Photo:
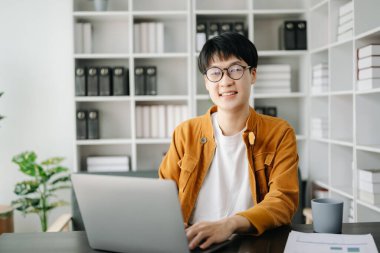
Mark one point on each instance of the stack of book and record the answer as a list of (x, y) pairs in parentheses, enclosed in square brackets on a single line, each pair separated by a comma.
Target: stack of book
[(368, 67), (320, 80), (83, 38), (319, 127), (149, 37), (273, 78), (346, 21), (159, 121), (107, 163), (369, 185), (209, 29)]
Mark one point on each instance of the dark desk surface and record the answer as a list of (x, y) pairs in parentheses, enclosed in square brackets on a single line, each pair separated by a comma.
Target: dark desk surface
[(76, 242)]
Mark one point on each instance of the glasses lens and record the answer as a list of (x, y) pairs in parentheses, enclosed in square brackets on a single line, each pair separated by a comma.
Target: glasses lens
[(235, 72), (214, 74)]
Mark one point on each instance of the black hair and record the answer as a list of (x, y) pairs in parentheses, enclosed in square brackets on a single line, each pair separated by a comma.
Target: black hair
[(226, 45)]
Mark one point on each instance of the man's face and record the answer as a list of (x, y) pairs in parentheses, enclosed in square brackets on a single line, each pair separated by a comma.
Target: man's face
[(229, 94)]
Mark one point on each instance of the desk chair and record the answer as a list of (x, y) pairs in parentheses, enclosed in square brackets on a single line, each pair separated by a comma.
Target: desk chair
[(75, 218)]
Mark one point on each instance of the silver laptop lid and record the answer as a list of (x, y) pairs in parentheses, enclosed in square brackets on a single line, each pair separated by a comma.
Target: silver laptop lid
[(128, 214)]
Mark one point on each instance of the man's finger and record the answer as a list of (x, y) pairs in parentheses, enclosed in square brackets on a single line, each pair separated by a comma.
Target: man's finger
[(197, 240), (207, 243)]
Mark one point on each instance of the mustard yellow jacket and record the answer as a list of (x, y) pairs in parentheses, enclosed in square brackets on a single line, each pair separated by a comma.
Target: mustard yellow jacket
[(273, 166)]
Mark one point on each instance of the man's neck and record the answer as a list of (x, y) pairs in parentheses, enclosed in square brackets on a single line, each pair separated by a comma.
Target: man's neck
[(232, 122)]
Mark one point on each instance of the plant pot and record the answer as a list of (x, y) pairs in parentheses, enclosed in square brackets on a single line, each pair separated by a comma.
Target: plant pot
[(100, 5), (6, 219)]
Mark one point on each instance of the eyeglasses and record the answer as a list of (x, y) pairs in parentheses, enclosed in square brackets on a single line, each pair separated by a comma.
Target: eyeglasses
[(235, 72)]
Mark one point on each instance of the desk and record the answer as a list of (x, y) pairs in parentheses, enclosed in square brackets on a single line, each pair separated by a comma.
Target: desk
[(76, 242)]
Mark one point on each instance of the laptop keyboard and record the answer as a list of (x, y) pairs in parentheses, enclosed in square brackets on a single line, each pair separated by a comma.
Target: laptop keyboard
[(212, 248)]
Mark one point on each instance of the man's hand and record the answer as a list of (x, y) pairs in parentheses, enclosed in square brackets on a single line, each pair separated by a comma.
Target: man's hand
[(204, 234)]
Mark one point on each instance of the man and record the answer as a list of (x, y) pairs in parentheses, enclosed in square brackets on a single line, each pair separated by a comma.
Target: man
[(236, 170)]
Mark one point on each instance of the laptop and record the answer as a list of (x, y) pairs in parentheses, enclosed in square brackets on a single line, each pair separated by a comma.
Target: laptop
[(132, 215)]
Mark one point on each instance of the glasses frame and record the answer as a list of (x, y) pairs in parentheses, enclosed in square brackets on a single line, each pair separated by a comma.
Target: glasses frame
[(226, 70)]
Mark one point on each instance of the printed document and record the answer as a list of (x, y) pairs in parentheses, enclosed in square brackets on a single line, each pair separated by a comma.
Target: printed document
[(325, 243)]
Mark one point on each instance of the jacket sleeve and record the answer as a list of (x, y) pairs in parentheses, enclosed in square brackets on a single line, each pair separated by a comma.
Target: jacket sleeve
[(281, 202)]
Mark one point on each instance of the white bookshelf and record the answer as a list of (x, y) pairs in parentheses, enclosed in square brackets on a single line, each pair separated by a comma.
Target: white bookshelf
[(331, 160), (352, 141)]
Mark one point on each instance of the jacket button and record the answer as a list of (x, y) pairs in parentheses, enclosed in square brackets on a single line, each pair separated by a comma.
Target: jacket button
[(203, 140)]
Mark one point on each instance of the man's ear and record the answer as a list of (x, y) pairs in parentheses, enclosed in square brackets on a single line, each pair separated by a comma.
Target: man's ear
[(253, 75)]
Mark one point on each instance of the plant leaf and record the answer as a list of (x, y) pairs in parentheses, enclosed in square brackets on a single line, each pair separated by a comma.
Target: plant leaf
[(53, 161), (27, 164), (26, 187), (56, 204), (56, 170), (61, 187), (61, 179), (26, 205)]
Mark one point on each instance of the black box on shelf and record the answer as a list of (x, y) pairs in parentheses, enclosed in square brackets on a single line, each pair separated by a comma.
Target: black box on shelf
[(140, 81), (105, 81), (213, 30), (151, 80), (226, 27), (80, 81), (271, 111), (288, 35), (120, 81), (293, 35), (260, 110), (81, 122), (301, 35), (201, 35), (239, 28), (92, 82), (93, 124)]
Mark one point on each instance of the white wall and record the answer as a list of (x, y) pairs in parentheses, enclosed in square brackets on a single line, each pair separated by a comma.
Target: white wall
[(36, 75)]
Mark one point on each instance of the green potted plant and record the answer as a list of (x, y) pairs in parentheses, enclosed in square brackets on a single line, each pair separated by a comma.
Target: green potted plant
[(35, 194)]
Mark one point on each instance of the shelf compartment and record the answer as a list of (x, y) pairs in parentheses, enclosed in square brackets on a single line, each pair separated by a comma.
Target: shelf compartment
[(368, 11), (341, 58), (341, 168), (319, 25), (266, 30), (162, 5), (114, 118), (109, 36), (114, 5), (161, 98), (299, 77), (342, 118), (172, 74), (155, 152), (367, 120), (211, 5), (101, 150), (290, 110), (318, 162)]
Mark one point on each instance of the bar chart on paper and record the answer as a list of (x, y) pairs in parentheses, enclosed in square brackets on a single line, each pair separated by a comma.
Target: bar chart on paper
[(325, 243)]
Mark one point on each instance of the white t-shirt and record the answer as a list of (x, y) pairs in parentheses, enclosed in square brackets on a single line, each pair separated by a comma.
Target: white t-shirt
[(225, 190)]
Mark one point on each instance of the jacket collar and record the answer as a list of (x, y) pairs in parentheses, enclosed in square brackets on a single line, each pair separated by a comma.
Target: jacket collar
[(207, 128)]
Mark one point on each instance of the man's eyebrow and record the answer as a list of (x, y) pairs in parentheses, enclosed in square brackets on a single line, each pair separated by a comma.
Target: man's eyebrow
[(232, 63)]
